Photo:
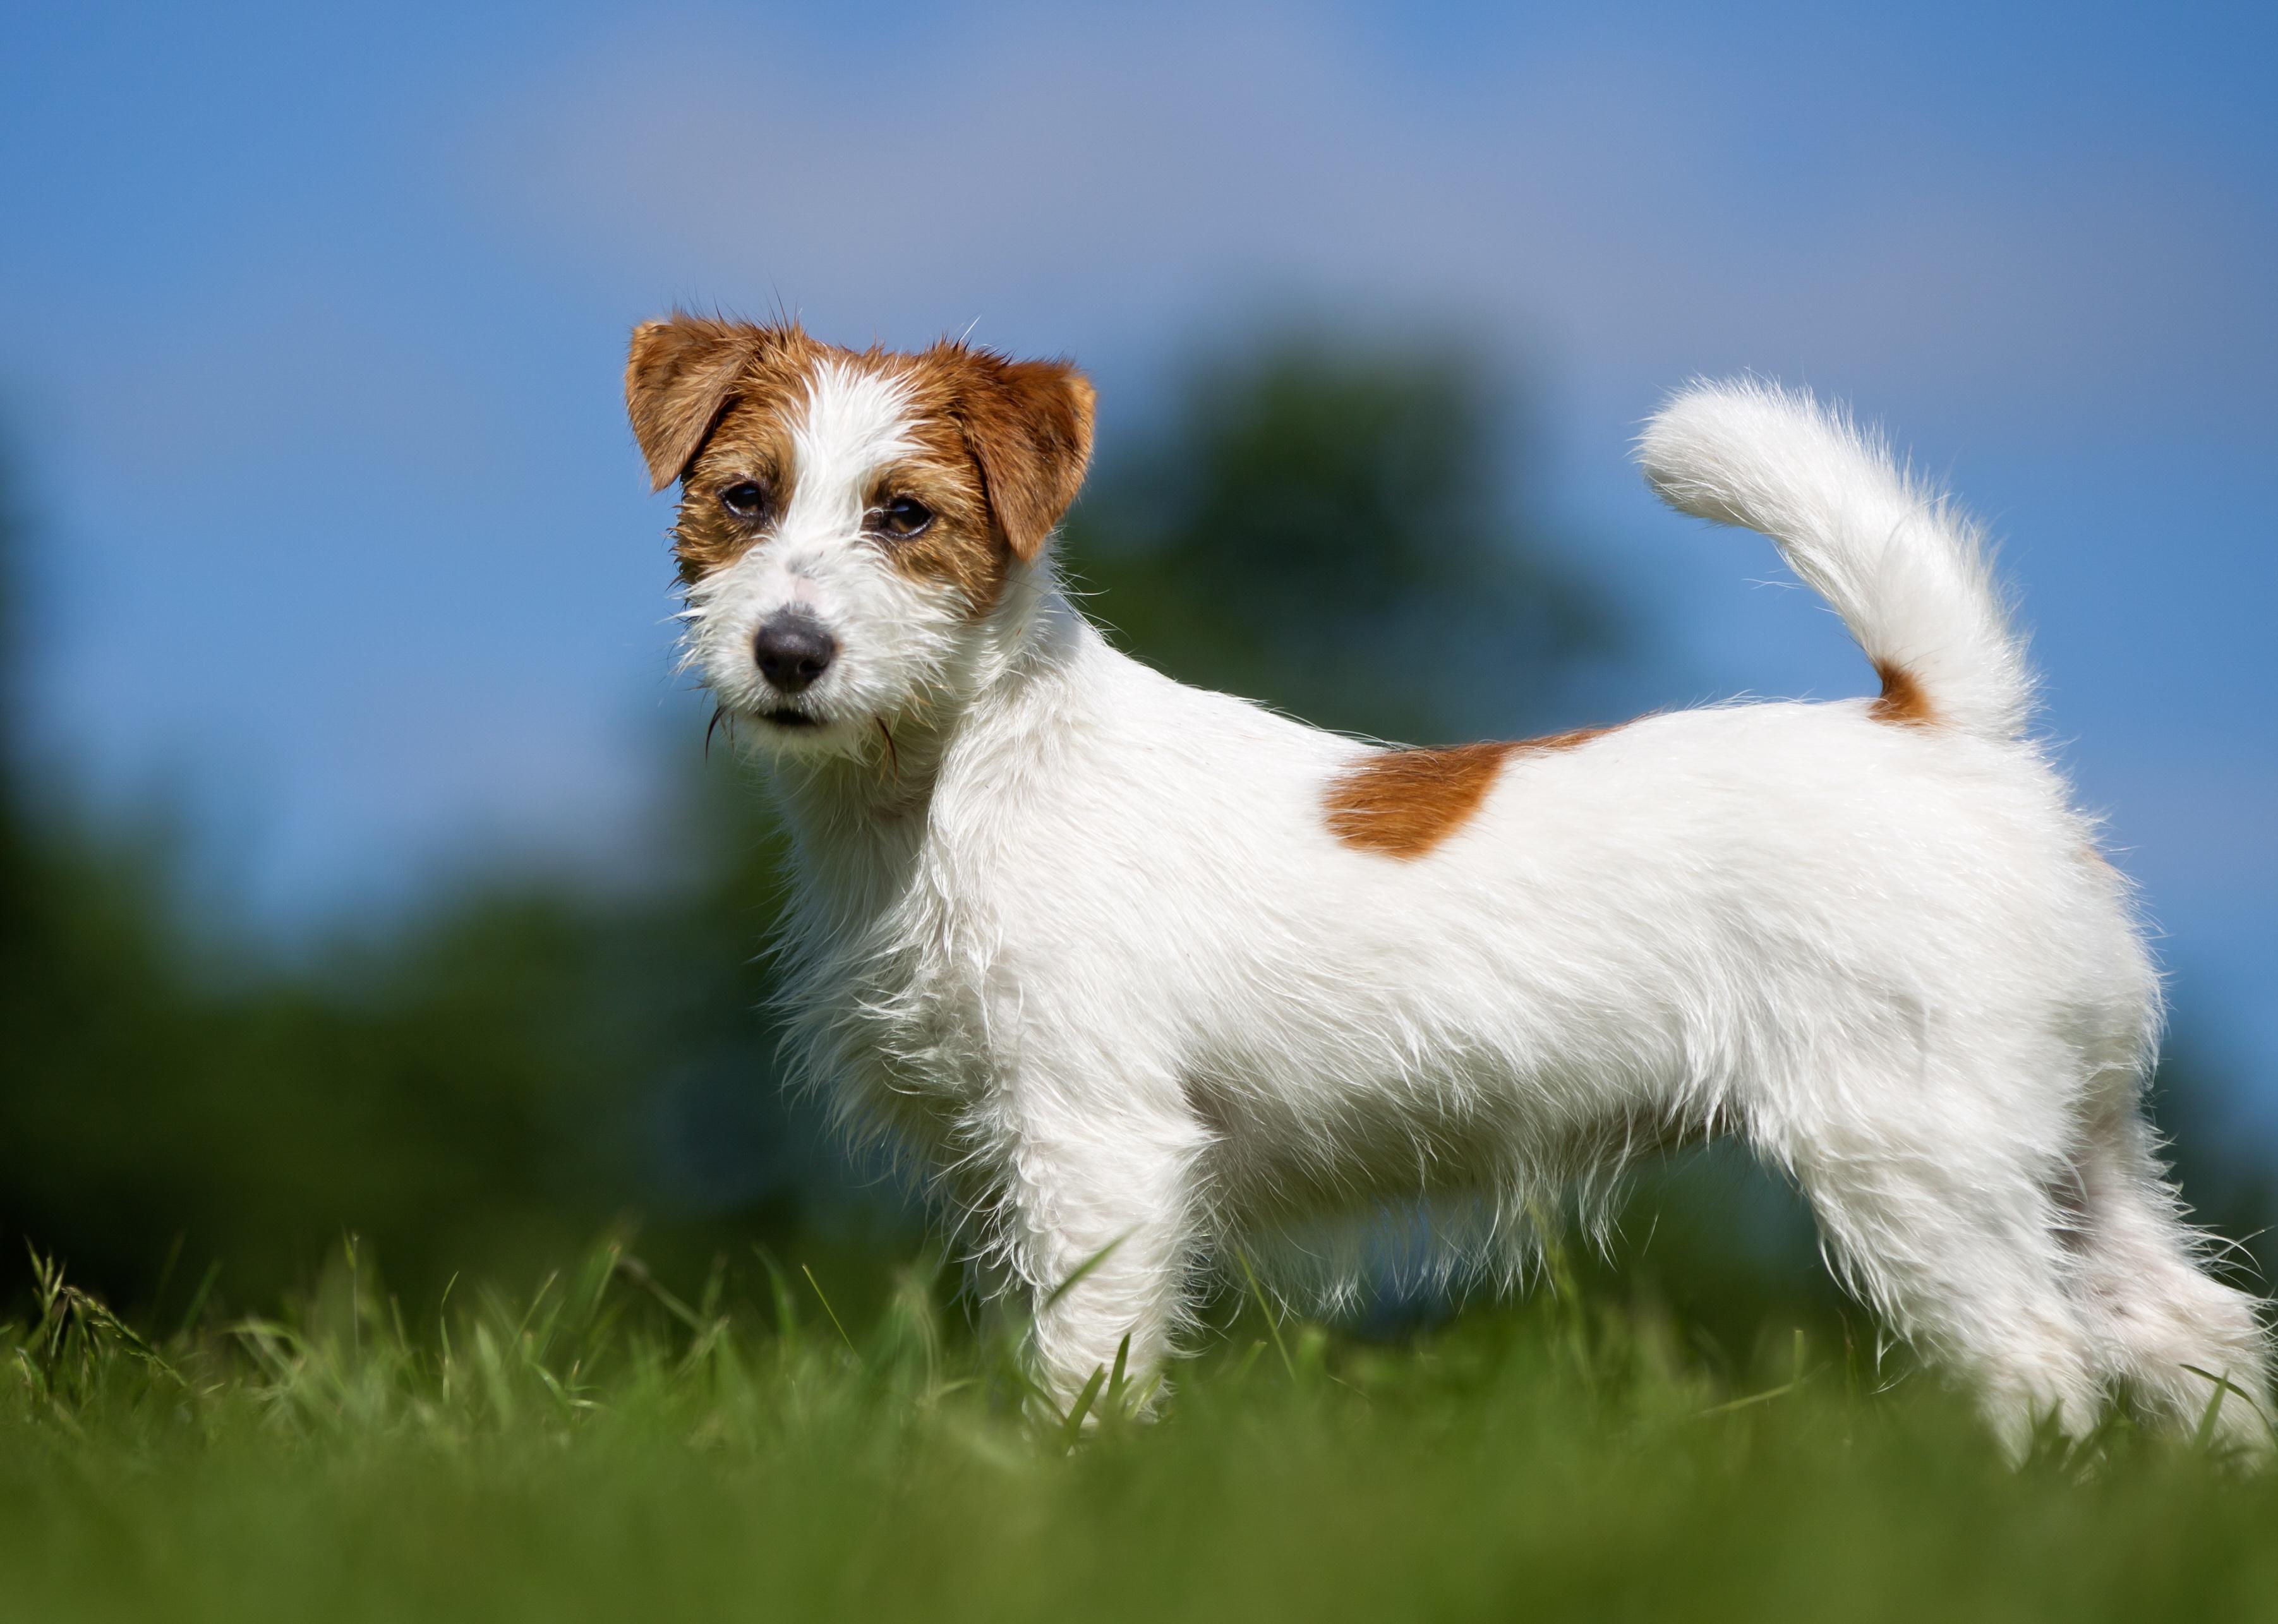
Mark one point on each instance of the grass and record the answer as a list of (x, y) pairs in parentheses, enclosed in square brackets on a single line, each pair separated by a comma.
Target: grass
[(607, 1449)]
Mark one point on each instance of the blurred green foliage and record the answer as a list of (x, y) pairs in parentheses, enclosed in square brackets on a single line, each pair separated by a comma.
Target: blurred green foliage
[(478, 1091), (1343, 531)]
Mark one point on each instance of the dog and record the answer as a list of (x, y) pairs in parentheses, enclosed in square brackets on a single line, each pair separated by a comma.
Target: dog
[(1140, 974)]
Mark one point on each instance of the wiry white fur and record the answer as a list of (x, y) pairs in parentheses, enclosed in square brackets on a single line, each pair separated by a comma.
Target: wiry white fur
[(1906, 572), (1085, 946)]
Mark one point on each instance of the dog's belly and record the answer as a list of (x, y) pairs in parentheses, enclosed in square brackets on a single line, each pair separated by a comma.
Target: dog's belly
[(1314, 1127)]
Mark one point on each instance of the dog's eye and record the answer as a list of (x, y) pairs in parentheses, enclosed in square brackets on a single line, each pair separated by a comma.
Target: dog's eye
[(747, 500), (903, 517)]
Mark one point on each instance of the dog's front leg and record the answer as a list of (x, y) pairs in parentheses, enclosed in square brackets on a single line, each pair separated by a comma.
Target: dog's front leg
[(1104, 1224)]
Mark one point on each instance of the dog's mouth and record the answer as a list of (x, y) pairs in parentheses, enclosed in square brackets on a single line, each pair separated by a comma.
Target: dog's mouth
[(785, 717)]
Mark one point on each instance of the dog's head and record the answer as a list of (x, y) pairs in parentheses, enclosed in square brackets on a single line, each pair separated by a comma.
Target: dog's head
[(847, 519)]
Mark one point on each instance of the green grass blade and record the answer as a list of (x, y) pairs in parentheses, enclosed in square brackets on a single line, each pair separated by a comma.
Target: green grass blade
[(827, 1309), (1081, 1270), (1272, 1320), (1072, 1429)]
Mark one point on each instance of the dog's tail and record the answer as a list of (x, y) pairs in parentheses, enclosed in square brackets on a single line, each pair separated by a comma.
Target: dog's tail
[(1905, 569)]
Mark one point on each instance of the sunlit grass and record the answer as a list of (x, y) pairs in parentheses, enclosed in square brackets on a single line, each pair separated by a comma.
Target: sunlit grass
[(760, 1448)]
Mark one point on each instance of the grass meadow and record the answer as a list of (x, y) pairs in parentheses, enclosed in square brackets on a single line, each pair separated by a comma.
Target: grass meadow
[(774, 1448)]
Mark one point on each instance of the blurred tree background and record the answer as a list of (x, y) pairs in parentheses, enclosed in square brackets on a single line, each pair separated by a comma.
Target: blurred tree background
[(1343, 531), (1340, 529)]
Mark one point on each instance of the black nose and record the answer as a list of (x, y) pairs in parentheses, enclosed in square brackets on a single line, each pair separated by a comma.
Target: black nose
[(793, 649)]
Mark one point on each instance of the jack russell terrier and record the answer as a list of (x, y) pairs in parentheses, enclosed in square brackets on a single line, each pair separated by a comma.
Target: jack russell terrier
[(1138, 975)]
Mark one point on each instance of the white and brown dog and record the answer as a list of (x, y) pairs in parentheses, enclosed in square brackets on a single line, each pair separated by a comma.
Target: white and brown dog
[(1141, 973)]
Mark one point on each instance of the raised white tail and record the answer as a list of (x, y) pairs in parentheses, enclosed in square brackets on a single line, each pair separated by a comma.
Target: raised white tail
[(1906, 569)]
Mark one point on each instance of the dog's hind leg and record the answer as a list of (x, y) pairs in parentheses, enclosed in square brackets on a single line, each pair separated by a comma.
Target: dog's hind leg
[(1954, 1239), (2156, 1317)]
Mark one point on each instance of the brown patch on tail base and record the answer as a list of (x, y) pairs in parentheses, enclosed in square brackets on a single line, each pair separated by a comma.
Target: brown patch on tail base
[(1403, 803), (1903, 702)]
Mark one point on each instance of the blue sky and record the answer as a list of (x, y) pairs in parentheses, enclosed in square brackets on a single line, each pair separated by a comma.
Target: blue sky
[(313, 319)]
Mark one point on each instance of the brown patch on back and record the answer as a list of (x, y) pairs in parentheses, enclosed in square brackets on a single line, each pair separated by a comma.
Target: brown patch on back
[(1002, 444), (1403, 803), (1903, 703)]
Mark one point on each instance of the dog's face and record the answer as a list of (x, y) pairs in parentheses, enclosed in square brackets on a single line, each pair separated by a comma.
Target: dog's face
[(846, 519)]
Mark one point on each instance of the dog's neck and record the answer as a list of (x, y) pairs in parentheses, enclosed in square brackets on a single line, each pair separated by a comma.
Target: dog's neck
[(859, 823)]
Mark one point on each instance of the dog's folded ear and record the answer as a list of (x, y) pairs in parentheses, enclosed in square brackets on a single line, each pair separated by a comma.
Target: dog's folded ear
[(678, 380), (1028, 424)]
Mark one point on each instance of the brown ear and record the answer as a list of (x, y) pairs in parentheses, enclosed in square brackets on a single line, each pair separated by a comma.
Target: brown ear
[(1029, 425), (677, 380)]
